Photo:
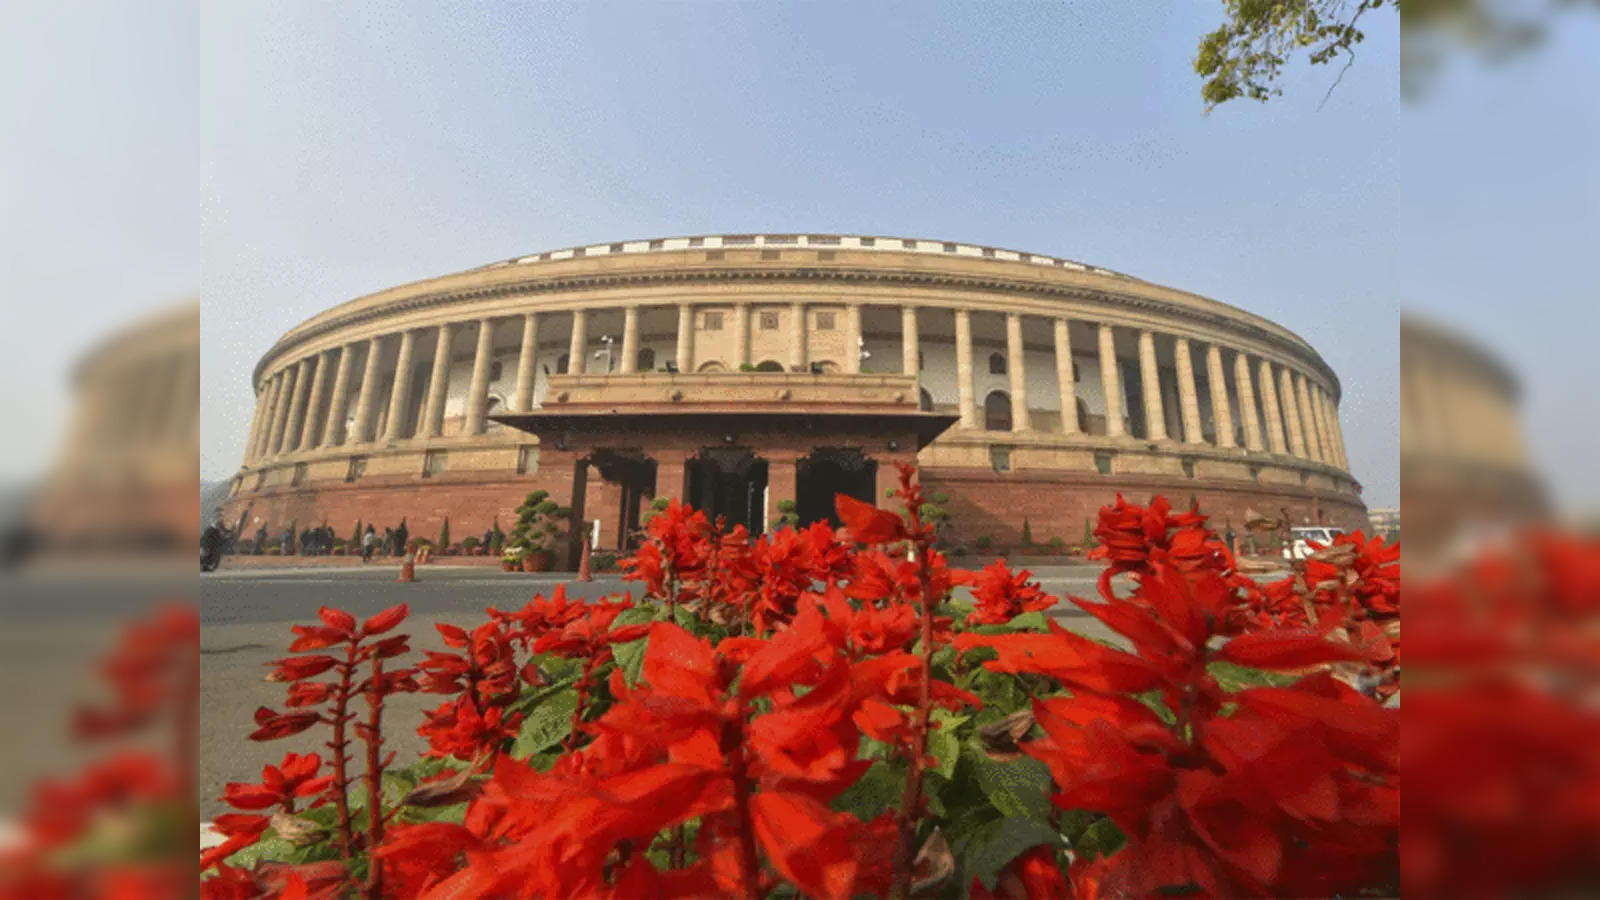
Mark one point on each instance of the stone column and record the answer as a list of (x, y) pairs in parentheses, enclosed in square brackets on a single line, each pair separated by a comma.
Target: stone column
[(1155, 419), (1336, 430), (969, 407), (1111, 381), (578, 349), (670, 465), (1319, 406), (630, 341), (1188, 396), (253, 439), (852, 339), (478, 387), (369, 393), (1308, 421), (1269, 404), (297, 406), (741, 336), (797, 337), (1247, 402), (782, 481), (910, 346), (1065, 384), (438, 384), (1291, 415), (1015, 368), (1221, 414), (685, 352), (400, 393), (319, 389), (526, 373), (280, 411), (339, 406)]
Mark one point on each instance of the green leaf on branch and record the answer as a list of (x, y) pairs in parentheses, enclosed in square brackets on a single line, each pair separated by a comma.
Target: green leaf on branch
[(993, 847), (877, 790), (943, 744), (1017, 789), (547, 724)]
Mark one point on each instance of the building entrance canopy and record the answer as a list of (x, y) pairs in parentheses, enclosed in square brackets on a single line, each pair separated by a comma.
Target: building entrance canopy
[(736, 445)]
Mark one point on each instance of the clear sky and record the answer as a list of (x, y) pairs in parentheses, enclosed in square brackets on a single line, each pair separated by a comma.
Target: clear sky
[(346, 148)]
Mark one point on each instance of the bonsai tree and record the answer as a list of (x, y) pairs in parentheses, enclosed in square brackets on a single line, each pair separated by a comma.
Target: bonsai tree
[(540, 522), (787, 517), (1088, 535), (469, 544), (444, 535), (1027, 534), (497, 538), (659, 505)]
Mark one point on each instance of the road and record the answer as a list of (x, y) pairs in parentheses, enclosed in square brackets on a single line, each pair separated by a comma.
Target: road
[(246, 615)]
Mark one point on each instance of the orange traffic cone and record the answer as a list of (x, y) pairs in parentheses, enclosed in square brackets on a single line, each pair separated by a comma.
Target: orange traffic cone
[(408, 569), (583, 564)]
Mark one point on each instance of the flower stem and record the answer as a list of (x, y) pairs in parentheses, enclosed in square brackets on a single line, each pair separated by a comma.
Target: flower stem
[(374, 740), (911, 800), (340, 747)]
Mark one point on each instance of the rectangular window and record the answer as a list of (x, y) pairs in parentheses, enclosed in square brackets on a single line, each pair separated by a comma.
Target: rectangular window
[(657, 244), (713, 255), (782, 239), (1000, 458), (769, 254), (579, 251), (1188, 467), (616, 248), (826, 240), (824, 321), (826, 255), (435, 462), (869, 242), (988, 252), (769, 321), (697, 242), (908, 244), (525, 458), (949, 248), (711, 321), (731, 240), (299, 476), (358, 468), (1102, 463)]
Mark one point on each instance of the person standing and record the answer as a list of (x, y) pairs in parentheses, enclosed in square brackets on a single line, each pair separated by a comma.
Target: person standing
[(400, 536), (369, 542)]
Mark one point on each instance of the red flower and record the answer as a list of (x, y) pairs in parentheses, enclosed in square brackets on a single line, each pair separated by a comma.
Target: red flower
[(867, 523), (295, 776), (385, 620), (1001, 596)]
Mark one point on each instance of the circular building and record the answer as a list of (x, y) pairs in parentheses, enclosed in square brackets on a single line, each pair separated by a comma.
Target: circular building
[(740, 371)]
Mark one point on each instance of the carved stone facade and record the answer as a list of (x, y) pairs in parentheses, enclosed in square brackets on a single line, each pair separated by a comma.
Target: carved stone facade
[(1050, 385)]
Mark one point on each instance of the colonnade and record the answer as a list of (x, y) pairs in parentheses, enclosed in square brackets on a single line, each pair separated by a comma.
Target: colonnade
[(302, 407)]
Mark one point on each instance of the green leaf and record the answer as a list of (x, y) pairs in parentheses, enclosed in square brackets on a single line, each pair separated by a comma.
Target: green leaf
[(684, 618), (1030, 621), (547, 724), (630, 658), (1019, 788), (877, 790), (943, 744), (1100, 838), (993, 847)]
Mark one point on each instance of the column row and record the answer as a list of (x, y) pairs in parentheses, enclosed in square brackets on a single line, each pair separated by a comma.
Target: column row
[(1270, 408)]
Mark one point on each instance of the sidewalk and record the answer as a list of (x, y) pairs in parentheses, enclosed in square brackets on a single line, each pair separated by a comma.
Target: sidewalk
[(238, 562)]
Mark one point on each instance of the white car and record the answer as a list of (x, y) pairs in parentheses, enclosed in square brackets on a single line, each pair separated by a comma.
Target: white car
[(1298, 549)]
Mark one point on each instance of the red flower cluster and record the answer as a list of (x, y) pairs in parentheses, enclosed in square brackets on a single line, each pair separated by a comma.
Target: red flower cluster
[(1001, 595), (1267, 791), (295, 777), (485, 677)]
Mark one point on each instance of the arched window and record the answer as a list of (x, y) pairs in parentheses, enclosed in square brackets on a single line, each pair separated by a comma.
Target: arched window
[(768, 365), (997, 364), (924, 400), (646, 361), (561, 365), (712, 366), (997, 411)]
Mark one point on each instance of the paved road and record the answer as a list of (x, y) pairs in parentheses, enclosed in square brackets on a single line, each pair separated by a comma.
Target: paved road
[(245, 617)]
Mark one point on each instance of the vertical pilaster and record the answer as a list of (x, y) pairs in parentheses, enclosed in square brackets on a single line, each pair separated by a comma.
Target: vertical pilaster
[(319, 389), (1111, 381), (1155, 419), (686, 338), (297, 405), (527, 356), (1269, 404), (969, 407), (400, 393), (797, 337), (1065, 383), (253, 440), (1188, 395), (338, 407), (1308, 421), (910, 346), (280, 411), (1245, 389), (630, 341), (1015, 368), (578, 348), (741, 337), (852, 339), (478, 387), (1221, 413), (1291, 415), (367, 400)]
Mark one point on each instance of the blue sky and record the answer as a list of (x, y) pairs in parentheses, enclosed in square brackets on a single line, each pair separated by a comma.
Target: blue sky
[(349, 148)]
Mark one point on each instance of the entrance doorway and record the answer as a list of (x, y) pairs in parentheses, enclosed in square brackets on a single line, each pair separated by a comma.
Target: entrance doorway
[(730, 482), (829, 471)]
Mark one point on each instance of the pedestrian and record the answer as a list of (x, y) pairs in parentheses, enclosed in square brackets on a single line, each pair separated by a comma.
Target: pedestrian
[(1229, 535), (369, 542), (400, 536)]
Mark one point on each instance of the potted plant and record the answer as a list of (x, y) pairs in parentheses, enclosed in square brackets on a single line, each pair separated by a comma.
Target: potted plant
[(540, 522), (511, 559)]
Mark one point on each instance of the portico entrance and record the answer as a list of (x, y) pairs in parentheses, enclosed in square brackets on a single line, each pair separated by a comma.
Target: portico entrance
[(829, 471), (730, 482)]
